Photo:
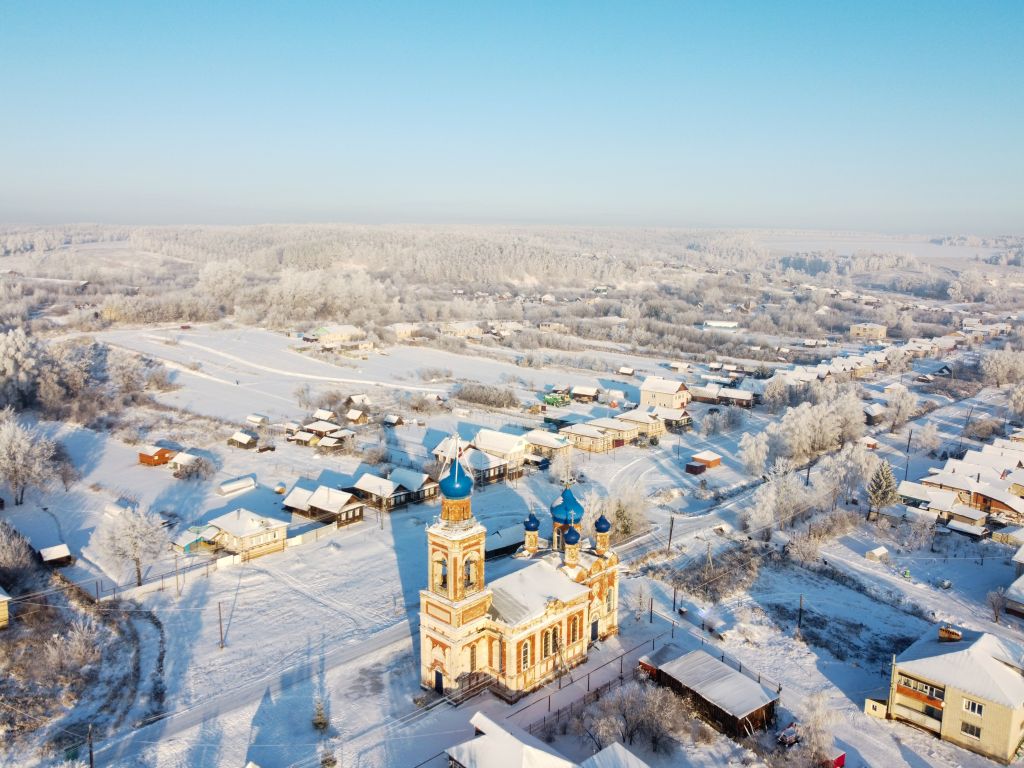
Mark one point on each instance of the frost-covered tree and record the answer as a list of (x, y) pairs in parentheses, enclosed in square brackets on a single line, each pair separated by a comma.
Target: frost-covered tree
[(1017, 400), (25, 456), (20, 360), (849, 415), (754, 452), (926, 437), (776, 394), (881, 489), (134, 537), (1004, 366), (819, 721), (901, 405)]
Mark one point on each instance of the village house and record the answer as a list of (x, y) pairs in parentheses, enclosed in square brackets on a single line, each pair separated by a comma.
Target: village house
[(323, 414), (674, 419), (463, 329), (732, 702), (647, 422), (546, 444), (258, 420), (356, 416), (337, 440), (337, 334), (870, 331), (874, 413), (403, 486), (321, 428), (708, 393), (181, 461), (551, 326), (57, 556), (709, 459), (965, 686), (511, 448), (405, 331), (620, 431), (246, 533), (324, 504), (587, 438), (658, 392), (625, 370), (243, 439), (155, 456)]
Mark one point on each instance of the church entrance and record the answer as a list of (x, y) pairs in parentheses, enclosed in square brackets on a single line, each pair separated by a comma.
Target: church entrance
[(593, 631), (438, 681)]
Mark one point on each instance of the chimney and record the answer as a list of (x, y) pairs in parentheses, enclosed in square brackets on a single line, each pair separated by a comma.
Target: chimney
[(948, 634)]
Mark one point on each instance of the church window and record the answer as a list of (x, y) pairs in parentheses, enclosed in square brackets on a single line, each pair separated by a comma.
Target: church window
[(468, 567), (547, 644), (554, 640), (525, 657), (472, 658), (574, 629), (443, 583), (501, 656), (608, 599)]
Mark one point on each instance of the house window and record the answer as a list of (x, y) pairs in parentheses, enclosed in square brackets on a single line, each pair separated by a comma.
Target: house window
[(970, 730), (974, 707), (525, 660), (916, 685)]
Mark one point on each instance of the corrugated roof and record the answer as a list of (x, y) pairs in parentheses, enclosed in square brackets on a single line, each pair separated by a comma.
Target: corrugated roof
[(717, 682)]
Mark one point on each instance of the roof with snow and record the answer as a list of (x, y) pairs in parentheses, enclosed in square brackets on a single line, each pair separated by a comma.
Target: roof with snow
[(525, 594), (584, 391), (717, 682), (298, 499), (243, 522), (354, 414), (376, 485), (504, 746), (329, 499), (545, 439), (321, 426), (583, 430), (322, 414), (661, 385), (639, 416), (614, 756), (244, 438), (490, 441), (615, 425), (409, 479), (981, 664)]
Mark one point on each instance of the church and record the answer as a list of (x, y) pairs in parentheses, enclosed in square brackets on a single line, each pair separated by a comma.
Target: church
[(516, 633)]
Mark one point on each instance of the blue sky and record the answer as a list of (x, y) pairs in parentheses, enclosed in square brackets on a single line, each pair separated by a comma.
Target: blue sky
[(903, 117)]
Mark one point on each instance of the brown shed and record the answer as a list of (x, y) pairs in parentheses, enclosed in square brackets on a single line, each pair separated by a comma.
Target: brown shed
[(709, 459), (154, 456)]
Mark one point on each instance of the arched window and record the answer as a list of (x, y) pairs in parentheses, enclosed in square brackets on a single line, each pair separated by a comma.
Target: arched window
[(525, 657), (547, 645), (501, 656), (472, 658), (554, 640), (469, 580), (443, 581), (608, 600), (574, 629)]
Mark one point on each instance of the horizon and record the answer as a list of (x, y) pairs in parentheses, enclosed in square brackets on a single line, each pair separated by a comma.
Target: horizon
[(867, 120)]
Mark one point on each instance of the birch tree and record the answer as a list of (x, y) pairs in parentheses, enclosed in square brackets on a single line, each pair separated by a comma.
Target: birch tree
[(927, 437), (754, 452), (25, 457), (900, 407), (134, 537)]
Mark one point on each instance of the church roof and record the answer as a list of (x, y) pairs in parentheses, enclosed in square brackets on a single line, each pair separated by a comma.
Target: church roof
[(602, 525), (525, 594), (457, 484), (567, 509)]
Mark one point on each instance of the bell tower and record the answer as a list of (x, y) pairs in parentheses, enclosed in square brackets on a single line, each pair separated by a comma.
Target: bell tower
[(453, 607)]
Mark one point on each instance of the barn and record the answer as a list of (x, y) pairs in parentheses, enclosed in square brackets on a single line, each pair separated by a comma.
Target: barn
[(733, 703)]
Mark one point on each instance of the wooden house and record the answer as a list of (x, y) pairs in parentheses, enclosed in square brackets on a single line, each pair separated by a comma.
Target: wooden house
[(321, 428), (418, 485), (388, 493), (356, 416), (659, 392), (546, 444), (647, 422), (393, 420), (325, 504), (621, 432), (244, 532), (674, 419), (182, 460), (57, 556), (323, 414), (258, 420), (243, 439), (625, 370), (874, 413), (729, 700), (155, 456), (196, 539), (511, 448), (303, 437), (587, 438), (337, 440)]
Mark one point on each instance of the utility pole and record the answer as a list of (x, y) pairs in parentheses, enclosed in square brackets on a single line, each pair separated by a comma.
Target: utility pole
[(675, 592), (92, 761), (671, 527), (220, 618), (906, 473), (807, 480), (651, 619), (800, 615)]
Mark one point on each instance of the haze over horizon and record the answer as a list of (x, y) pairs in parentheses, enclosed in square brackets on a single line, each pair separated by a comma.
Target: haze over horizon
[(862, 118)]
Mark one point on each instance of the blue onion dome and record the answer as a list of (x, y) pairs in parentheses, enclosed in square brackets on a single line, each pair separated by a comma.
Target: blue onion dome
[(572, 537), (567, 510), (531, 523), (457, 484), (601, 525)]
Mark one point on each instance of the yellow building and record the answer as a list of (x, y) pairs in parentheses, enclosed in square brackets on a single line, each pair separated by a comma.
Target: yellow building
[(875, 331), (4, 611), (964, 686), (523, 629)]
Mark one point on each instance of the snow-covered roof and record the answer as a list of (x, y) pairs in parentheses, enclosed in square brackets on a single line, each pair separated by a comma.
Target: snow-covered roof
[(706, 456), (874, 409), (183, 458), (639, 416), (717, 682), (322, 414), (490, 441), (329, 442), (1018, 556), (329, 499), (967, 528), (1003, 496), (1015, 591), (409, 479), (546, 439), (341, 434), (584, 391), (508, 536), (583, 430), (354, 414), (360, 400), (735, 394), (661, 385), (614, 756), (243, 522), (243, 437), (612, 424), (321, 426), (962, 510), (56, 552), (671, 414), (504, 746), (196, 533), (258, 418), (980, 664), (525, 594), (149, 450), (298, 499), (3, 595), (625, 370), (474, 459), (375, 485)]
